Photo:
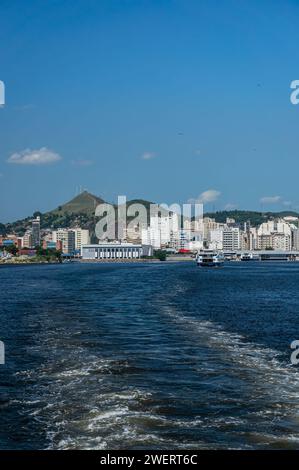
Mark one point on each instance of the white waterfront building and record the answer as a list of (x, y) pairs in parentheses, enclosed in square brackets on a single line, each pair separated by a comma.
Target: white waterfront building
[(231, 239), (216, 239), (161, 230), (151, 236), (115, 250)]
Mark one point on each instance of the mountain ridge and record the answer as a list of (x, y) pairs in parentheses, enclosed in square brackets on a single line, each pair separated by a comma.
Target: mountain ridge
[(83, 202), (255, 217), (80, 211)]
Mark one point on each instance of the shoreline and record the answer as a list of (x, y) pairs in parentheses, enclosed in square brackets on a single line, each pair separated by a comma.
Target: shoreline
[(34, 263), (106, 261)]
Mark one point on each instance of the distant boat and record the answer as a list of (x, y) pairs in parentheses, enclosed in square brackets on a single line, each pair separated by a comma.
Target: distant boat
[(246, 257), (209, 258), (249, 256)]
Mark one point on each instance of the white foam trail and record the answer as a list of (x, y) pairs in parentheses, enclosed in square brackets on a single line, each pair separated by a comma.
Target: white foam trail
[(259, 361)]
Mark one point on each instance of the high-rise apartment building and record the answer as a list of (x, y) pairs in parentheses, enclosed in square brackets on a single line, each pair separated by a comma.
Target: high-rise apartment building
[(71, 238), (67, 238), (81, 237), (27, 240), (162, 231), (35, 231), (231, 239)]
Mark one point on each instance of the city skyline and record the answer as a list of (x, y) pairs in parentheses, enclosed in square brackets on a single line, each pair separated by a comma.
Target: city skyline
[(145, 235)]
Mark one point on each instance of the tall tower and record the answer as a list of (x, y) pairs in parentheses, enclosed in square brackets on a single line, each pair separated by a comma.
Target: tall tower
[(36, 231)]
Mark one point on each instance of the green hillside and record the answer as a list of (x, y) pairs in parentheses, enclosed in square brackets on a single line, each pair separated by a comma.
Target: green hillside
[(255, 218), (78, 211), (81, 209), (84, 203)]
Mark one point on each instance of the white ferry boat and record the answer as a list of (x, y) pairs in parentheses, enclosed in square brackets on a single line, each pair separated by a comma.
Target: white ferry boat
[(249, 256), (246, 257), (209, 258)]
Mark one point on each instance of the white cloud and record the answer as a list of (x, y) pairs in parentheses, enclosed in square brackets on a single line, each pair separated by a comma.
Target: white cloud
[(147, 155), (42, 156), (210, 195), (270, 199), (82, 162)]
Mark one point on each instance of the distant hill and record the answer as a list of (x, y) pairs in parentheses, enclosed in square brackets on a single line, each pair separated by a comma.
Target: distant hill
[(84, 203), (78, 211), (81, 211), (146, 204), (255, 218)]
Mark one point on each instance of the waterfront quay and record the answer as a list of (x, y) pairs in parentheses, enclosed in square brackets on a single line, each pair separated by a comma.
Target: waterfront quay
[(262, 255)]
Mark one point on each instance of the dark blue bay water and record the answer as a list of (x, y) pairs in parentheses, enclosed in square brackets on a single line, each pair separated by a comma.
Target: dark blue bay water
[(149, 356)]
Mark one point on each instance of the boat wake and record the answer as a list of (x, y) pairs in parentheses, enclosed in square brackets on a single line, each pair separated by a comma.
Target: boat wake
[(267, 387)]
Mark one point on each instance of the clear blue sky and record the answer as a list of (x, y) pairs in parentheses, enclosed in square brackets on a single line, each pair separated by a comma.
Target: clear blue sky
[(161, 100)]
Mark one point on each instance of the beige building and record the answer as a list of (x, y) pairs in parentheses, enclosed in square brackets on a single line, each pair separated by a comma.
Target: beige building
[(67, 239), (71, 238), (274, 234), (27, 239), (81, 237)]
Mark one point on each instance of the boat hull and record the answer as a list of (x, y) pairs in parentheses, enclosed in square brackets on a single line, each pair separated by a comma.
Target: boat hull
[(210, 264)]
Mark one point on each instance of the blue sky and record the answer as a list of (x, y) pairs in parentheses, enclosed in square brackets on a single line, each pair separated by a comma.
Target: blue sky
[(162, 100)]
